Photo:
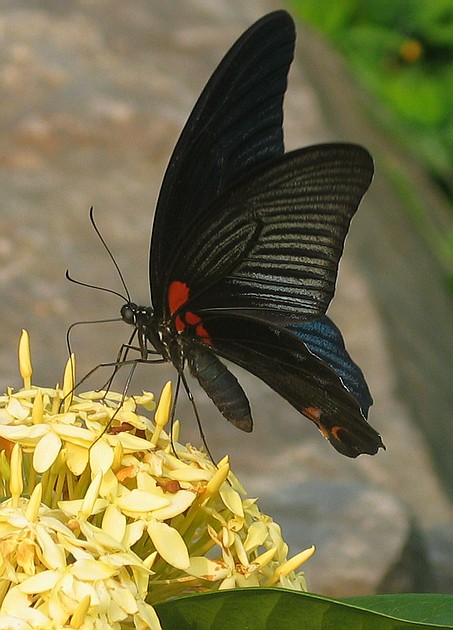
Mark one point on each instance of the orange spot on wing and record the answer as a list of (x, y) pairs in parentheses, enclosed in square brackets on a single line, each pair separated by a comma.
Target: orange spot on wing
[(335, 432), (314, 413), (332, 432)]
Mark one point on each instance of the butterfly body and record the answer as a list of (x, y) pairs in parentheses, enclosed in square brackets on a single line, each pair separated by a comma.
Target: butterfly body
[(245, 249)]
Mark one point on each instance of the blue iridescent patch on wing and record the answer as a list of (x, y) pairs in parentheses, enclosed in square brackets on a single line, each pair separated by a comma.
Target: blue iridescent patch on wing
[(324, 340)]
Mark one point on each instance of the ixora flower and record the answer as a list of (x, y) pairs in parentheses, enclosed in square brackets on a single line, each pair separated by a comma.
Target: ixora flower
[(103, 514)]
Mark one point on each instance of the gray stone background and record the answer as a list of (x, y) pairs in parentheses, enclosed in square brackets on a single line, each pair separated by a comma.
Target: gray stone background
[(93, 97)]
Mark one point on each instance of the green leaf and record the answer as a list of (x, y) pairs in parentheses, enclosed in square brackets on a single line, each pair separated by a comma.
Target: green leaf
[(277, 609), (428, 607)]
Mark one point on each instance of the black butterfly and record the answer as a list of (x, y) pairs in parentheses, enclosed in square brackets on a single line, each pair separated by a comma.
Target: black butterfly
[(245, 249)]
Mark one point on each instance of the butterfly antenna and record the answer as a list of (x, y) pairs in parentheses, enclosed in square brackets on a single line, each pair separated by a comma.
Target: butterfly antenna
[(93, 321), (69, 347), (95, 286), (107, 249)]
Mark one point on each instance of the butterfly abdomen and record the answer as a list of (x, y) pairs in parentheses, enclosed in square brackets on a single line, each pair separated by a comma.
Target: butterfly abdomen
[(221, 386)]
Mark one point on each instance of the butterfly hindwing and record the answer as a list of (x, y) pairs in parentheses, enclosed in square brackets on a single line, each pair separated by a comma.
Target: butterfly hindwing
[(280, 358), (324, 340)]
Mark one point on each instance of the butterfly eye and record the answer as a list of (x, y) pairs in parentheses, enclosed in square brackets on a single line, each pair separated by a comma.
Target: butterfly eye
[(129, 313)]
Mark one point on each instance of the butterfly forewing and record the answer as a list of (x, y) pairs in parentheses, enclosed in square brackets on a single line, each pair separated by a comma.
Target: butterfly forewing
[(235, 124), (270, 246)]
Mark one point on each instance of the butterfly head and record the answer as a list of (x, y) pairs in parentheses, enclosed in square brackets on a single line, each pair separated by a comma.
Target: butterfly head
[(129, 313), (143, 321), (141, 317)]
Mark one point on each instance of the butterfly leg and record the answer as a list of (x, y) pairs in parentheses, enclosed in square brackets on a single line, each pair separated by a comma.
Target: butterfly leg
[(183, 380)]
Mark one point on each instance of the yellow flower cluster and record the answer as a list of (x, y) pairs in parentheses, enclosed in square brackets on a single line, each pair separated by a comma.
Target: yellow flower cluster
[(102, 514)]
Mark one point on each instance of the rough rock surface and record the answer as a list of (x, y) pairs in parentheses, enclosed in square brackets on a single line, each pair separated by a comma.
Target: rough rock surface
[(366, 539)]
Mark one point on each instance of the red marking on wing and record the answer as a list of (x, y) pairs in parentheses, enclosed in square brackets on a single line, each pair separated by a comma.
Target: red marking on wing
[(191, 318), (179, 323), (203, 334), (178, 294), (195, 321)]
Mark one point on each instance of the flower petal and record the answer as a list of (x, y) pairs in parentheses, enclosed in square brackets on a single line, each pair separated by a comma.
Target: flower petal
[(206, 569), (17, 410), (231, 499), (40, 582), (91, 495), (190, 474), (141, 501), (92, 570), (9, 622), (134, 532), (114, 522), (170, 544), (46, 452), (179, 502), (27, 436), (101, 456), (76, 458), (71, 433), (53, 553), (74, 507), (148, 616), (130, 442), (256, 535)]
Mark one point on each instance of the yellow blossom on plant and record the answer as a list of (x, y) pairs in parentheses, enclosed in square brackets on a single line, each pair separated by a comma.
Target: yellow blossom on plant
[(102, 514), (25, 367)]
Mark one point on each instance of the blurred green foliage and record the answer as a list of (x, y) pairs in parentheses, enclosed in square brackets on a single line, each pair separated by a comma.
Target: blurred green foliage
[(402, 50)]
